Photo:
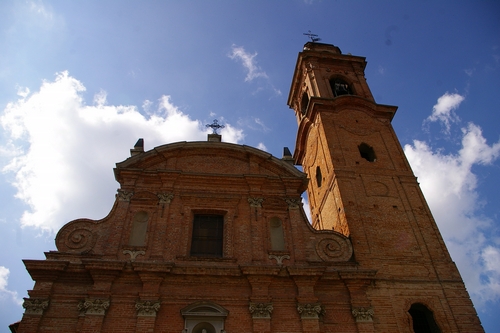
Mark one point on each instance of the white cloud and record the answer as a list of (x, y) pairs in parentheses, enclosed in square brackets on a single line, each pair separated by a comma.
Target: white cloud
[(4, 291), (469, 71), (443, 110), (248, 61), (261, 124), (100, 98), (61, 151), (39, 8), (262, 146), (23, 92), (450, 187)]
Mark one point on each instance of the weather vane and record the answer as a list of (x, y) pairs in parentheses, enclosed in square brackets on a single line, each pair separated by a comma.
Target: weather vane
[(215, 126), (314, 37)]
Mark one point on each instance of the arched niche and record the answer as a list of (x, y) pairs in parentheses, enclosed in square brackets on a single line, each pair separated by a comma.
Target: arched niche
[(204, 315), (276, 234), (139, 229)]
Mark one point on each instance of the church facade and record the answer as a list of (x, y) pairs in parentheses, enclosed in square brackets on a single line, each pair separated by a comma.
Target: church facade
[(209, 237)]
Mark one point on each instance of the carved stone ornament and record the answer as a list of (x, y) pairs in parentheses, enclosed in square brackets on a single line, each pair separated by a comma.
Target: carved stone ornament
[(147, 308), (310, 310), (279, 259), (76, 238), (164, 198), (363, 315), (35, 306), (124, 195), (133, 254), (294, 203), (255, 202), (261, 310), (93, 306), (334, 249)]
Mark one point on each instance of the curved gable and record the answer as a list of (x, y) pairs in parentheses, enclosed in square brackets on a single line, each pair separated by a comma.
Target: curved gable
[(209, 158)]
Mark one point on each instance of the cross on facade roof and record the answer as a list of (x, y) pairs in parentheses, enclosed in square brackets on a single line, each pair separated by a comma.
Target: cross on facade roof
[(314, 37), (215, 126)]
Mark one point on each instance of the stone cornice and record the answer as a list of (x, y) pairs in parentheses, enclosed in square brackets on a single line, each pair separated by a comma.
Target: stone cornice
[(260, 270), (206, 270), (148, 266), (45, 269), (361, 274), (307, 271), (104, 265)]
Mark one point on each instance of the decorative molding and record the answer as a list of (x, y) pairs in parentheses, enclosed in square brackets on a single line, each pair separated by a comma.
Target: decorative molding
[(363, 315), (334, 249), (77, 238), (310, 310), (35, 306), (261, 310), (123, 195), (279, 259), (93, 306), (134, 254), (164, 198), (147, 308), (255, 202), (294, 203)]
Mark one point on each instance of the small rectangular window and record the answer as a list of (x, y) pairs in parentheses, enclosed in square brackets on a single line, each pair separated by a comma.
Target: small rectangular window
[(207, 236)]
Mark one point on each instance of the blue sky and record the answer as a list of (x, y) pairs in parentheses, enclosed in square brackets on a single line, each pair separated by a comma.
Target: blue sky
[(81, 81)]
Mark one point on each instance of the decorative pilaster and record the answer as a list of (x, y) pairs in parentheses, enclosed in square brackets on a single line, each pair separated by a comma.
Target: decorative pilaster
[(164, 198), (293, 203), (35, 306), (258, 228), (93, 306), (147, 308), (146, 315), (310, 310), (261, 310), (255, 202), (92, 312), (309, 316), (363, 315), (357, 283), (307, 303), (123, 195), (152, 275)]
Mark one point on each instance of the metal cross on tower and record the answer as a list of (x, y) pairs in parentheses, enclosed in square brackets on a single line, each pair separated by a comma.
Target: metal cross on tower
[(314, 37), (215, 126)]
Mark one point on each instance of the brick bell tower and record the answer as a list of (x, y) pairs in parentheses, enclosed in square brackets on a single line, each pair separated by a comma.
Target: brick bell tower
[(362, 186)]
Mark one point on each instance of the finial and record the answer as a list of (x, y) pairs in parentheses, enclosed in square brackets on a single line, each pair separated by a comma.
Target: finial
[(215, 126), (314, 37)]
